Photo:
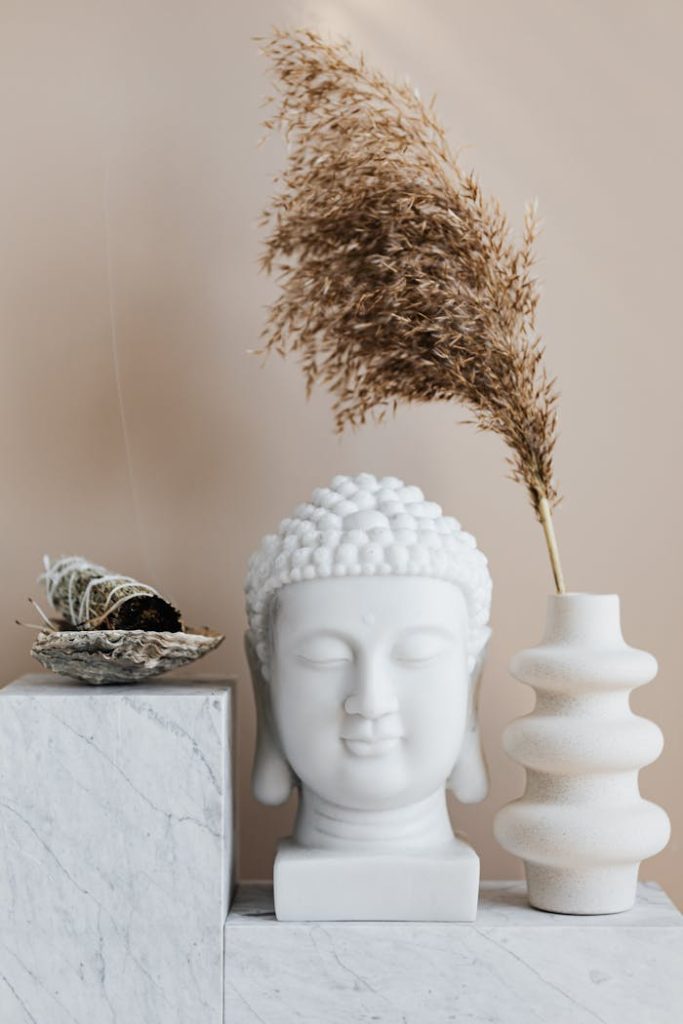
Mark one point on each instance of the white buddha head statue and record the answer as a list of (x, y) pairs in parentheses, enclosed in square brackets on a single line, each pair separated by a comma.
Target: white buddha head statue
[(368, 620)]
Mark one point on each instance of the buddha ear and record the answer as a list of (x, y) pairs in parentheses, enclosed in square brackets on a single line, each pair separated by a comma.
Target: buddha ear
[(469, 780), (272, 779)]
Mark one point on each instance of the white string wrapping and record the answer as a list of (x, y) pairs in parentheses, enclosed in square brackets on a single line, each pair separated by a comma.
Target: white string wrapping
[(79, 612)]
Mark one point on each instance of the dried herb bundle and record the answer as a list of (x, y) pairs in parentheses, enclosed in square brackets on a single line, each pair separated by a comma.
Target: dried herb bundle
[(88, 596), (400, 281)]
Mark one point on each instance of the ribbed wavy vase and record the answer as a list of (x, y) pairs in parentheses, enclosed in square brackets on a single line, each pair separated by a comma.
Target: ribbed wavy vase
[(581, 826)]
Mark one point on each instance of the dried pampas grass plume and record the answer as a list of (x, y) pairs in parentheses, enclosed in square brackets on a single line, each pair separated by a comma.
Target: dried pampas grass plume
[(399, 280)]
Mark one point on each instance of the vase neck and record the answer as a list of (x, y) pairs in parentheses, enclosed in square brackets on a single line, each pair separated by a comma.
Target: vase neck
[(591, 619)]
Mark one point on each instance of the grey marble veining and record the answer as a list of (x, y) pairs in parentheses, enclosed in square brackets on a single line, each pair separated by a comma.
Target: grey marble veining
[(115, 851), (514, 965), (500, 903)]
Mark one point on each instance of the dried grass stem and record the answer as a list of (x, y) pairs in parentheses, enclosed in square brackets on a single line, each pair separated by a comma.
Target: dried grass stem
[(400, 281)]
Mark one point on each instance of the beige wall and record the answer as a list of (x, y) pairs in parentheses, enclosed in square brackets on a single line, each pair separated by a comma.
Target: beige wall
[(130, 188)]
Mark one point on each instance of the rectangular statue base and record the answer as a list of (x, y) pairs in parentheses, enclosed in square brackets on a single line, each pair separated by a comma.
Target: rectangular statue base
[(323, 885)]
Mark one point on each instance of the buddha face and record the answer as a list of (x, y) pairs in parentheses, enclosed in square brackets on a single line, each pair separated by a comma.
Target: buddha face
[(369, 686)]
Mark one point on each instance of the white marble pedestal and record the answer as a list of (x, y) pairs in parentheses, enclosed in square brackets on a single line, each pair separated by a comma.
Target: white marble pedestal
[(116, 851), (514, 965)]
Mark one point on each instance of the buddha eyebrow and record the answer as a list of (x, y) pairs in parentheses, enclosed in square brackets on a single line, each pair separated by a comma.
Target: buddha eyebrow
[(322, 633), (445, 631)]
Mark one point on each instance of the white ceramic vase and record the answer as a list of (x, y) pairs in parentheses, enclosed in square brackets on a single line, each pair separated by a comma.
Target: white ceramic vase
[(581, 826)]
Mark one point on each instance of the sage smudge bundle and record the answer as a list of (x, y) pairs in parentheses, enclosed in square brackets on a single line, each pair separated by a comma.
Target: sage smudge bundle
[(88, 596)]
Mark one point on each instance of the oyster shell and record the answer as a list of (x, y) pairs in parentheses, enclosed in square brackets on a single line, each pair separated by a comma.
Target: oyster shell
[(121, 655)]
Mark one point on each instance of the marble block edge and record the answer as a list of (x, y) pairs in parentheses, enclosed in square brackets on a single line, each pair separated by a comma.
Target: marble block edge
[(501, 904)]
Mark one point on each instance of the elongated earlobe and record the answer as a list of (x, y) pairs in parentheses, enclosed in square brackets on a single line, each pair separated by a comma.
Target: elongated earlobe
[(469, 780), (272, 779)]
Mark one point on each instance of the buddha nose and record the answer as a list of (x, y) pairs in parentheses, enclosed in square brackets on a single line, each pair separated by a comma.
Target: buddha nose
[(373, 693)]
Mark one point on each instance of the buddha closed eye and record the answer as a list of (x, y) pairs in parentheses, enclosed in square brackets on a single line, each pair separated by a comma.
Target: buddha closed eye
[(325, 652), (420, 646)]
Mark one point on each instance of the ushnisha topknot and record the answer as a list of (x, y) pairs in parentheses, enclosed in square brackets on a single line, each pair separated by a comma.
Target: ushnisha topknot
[(365, 526)]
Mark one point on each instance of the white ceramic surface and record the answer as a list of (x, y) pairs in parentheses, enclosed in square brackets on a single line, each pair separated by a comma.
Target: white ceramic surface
[(329, 885), (581, 826), (516, 965), (115, 851), (365, 687)]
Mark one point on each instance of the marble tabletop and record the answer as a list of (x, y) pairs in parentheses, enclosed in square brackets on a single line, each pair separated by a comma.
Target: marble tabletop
[(514, 965)]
